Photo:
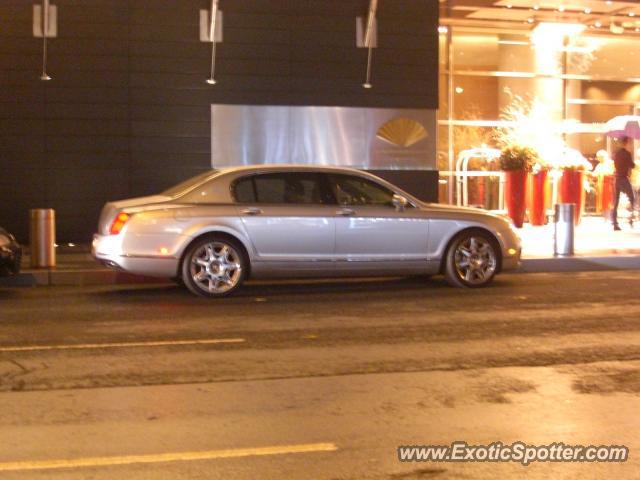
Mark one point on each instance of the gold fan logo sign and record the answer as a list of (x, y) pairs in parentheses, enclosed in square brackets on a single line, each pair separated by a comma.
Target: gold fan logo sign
[(402, 132)]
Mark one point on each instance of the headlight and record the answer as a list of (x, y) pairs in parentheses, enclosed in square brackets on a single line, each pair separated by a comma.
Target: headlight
[(4, 241)]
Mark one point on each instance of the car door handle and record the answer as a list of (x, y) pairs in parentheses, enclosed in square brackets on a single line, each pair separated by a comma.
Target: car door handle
[(251, 211), (346, 212)]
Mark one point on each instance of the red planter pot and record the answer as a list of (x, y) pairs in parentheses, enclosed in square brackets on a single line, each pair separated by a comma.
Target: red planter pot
[(515, 191), (537, 198), (571, 190), (605, 194)]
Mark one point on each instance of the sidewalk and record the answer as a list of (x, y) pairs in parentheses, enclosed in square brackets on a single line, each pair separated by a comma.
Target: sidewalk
[(75, 267), (597, 247)]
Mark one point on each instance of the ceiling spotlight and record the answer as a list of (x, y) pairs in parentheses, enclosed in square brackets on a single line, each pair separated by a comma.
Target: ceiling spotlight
[(530, 20), (442, 29), (561, 8), (598, 24), (459, 89), (509, 5), (616, 29), (211, 81), (44, 77), (544, 29), (631, 14), (367, 85), (536, 7), (587, 10)]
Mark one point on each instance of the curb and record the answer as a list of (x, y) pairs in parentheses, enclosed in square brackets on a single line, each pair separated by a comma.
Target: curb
[(579, 264), (92, 277), (76, 278)]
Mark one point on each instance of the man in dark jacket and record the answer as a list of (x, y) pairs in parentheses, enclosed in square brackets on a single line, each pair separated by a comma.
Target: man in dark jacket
[(624, 164)]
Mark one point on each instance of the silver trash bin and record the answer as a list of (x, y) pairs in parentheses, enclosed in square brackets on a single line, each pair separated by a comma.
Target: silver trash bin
[(43, 238), (563, 230)]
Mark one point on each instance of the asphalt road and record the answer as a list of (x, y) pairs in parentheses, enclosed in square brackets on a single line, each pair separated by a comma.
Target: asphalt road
[(321, 379)]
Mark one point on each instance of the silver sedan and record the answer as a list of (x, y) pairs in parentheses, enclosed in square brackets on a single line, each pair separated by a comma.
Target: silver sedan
[(217, 229)]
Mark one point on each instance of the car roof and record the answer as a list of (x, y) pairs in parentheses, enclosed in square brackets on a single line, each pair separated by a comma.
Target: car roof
[(230, 174), (248, 169), (287, 167)]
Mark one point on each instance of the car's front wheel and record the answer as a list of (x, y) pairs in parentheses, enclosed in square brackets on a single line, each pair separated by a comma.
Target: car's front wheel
[(214, 267), (471, 260)]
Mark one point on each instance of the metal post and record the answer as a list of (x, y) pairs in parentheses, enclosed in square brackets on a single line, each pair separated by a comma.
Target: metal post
[(43, 238), (564, 230)]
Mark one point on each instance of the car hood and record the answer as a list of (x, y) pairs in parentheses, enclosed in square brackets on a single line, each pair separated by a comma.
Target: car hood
[(456, 209), (462, 213)]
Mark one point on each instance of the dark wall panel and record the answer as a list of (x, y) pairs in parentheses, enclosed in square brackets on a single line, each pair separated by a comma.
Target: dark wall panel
[(128, 110)]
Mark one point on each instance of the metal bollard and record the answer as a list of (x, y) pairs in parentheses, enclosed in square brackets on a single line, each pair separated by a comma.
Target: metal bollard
[(43, 237), (563, 238)]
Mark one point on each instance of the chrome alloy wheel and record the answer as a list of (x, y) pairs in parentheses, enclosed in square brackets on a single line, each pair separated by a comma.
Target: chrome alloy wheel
[(475, 260), (215, 267)]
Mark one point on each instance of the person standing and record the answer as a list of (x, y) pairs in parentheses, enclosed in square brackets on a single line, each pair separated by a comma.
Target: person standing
[(623, 165)]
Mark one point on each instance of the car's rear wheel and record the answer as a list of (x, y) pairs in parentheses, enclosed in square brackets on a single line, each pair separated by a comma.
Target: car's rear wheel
[(471, 260), (214, 267)]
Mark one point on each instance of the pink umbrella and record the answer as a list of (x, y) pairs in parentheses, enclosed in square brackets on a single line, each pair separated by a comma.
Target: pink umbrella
[(624, 126)]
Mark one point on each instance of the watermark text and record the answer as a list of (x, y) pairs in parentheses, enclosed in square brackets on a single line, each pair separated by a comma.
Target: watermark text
[(518, 452)]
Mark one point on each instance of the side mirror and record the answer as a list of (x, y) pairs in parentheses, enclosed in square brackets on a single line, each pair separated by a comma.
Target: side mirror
[(399, 202)]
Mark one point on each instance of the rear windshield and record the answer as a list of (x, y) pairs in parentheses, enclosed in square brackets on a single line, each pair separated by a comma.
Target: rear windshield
[(188, 184)]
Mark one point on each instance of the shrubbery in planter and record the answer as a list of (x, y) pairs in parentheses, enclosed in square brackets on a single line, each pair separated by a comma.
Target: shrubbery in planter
[(516, 157), (516, 161)]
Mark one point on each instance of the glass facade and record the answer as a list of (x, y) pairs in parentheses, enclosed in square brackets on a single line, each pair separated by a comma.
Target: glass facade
[(567, 76)]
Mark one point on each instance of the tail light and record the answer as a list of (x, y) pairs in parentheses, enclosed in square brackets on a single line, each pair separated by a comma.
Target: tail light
[(119, 223)]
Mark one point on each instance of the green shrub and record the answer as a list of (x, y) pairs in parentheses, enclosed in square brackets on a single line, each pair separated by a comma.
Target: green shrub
[(517, 158)]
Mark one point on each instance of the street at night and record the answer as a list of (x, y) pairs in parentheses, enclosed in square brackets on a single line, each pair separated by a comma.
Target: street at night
[(319, 239), (317, 379)]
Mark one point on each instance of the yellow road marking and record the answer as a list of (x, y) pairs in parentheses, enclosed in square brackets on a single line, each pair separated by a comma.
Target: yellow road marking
[(88, 346), (165, 457)]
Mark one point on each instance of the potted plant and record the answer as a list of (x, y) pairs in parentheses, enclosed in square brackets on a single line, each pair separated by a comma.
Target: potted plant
[(571, 184), (516, 162), (538, 193)]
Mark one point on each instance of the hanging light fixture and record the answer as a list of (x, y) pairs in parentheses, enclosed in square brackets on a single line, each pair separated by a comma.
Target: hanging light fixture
[(369, 39), (45, 26), (212, 35)]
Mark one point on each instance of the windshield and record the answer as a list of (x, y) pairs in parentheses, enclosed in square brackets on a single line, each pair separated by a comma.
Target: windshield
[(188, 184)]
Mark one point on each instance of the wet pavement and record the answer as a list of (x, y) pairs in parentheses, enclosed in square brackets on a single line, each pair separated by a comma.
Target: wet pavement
[(319, 379)]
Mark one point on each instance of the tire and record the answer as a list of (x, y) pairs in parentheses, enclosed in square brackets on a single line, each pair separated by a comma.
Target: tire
[(472, 259), (214, 266)]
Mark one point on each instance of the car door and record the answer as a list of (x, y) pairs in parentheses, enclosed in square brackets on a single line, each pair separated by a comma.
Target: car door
[(288, 216), (371, 230)]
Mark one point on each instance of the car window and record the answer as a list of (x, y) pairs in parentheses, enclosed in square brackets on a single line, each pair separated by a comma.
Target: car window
[(353, 190), (288, 188), (244, 191)]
